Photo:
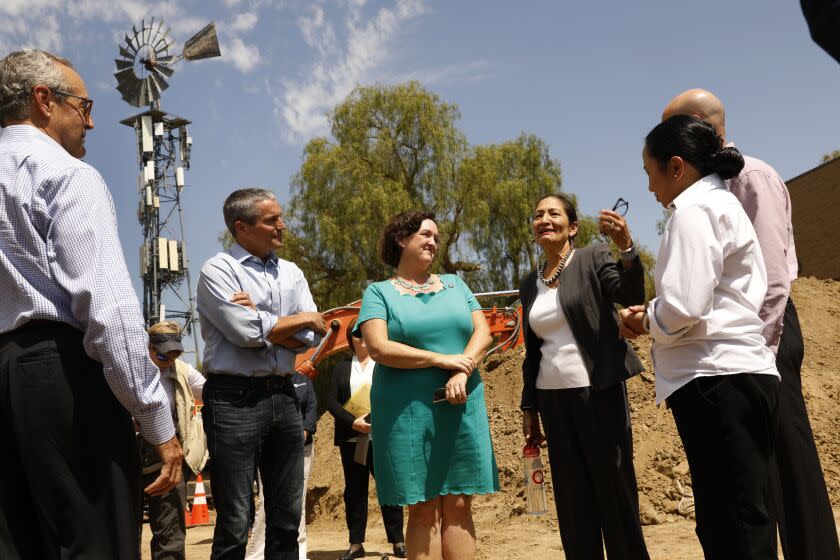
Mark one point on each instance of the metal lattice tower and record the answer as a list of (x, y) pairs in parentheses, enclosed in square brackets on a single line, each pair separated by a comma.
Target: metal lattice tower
[(163, 154), (163, 147)]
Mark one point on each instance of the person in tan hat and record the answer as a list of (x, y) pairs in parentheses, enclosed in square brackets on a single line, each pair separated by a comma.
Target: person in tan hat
[(183, 385)]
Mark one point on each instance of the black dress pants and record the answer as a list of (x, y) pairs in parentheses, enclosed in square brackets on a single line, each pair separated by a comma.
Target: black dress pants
[(356, 480), (798, 497), (590, 451), (727, 426), (69, 469)]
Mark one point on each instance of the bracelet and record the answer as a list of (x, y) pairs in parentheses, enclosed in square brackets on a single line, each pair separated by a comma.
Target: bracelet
[(628, 254)]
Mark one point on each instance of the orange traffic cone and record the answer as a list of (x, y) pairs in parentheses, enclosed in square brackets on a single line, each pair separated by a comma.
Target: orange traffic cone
[(200, 514)]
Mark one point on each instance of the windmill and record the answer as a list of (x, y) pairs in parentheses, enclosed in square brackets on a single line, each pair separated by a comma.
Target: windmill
[(144, 67), (145, 61)]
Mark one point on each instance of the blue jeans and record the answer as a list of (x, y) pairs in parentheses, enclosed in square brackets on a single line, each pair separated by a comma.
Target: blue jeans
[(254, 422)]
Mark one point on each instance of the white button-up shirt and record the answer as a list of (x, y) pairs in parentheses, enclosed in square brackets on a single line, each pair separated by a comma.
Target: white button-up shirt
[(710, 282)]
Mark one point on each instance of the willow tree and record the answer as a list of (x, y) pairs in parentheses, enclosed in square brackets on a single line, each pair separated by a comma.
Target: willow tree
[(394, 148)]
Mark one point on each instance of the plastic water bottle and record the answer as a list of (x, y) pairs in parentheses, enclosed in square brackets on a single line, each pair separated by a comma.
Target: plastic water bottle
[(534, 480)]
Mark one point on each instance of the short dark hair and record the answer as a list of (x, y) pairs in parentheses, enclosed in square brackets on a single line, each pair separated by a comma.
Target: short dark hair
[(241, 206), (568, 206), (696, 142), (399, 227)]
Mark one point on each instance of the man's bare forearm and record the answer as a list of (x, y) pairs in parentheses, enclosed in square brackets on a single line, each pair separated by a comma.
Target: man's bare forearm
[(285, 327)]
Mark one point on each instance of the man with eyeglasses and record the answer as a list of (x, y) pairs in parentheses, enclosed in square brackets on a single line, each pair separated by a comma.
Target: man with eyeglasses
[(74, 366)]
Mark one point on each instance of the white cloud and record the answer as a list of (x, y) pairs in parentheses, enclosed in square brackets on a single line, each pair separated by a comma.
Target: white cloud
[(303, 105), (244, 22), (243, 56), (473, 71)]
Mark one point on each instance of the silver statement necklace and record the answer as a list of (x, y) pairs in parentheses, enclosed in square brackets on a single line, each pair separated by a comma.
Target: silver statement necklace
[(549, 281), (415, 287)]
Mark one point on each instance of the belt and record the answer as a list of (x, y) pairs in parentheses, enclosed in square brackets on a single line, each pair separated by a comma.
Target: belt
[(268, 383), (41, 325)]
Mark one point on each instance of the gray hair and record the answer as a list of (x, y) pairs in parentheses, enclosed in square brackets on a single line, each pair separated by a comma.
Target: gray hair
[(241, 206), (21, 71)]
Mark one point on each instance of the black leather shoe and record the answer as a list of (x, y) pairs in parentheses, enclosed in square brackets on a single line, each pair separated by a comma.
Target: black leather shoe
[(353, 554), (399, 551)]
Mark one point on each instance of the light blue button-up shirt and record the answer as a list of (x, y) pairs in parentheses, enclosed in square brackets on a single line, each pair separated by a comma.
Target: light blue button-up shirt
[(236, 337), (61, 260)]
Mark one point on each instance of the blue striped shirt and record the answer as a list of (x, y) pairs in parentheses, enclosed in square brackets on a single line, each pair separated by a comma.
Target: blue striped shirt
[(236, 337), (61, 260)]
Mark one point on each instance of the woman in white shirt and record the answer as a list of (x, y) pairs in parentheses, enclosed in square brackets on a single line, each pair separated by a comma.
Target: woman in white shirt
[(574, 372), (351, 378), (712, 365)]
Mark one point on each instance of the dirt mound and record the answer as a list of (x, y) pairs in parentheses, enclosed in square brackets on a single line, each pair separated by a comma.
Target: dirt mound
[(660, 463)]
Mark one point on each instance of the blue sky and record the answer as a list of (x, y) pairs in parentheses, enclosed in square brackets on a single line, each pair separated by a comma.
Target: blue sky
[(591, 78)]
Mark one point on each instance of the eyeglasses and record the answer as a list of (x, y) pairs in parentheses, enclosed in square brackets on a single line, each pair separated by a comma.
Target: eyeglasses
[(621, 206), (86, 106)]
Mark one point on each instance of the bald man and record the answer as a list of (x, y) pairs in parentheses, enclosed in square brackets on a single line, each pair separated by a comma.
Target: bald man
[(798, 497)]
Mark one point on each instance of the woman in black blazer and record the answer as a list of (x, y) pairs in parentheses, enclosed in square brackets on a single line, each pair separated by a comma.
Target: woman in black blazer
[(347, 374), (574, 372)]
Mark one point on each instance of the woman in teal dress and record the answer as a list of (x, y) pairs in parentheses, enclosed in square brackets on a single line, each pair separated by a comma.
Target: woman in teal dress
[(427, 332)]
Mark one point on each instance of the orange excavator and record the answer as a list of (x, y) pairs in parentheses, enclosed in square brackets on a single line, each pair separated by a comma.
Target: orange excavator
[(505, 327)]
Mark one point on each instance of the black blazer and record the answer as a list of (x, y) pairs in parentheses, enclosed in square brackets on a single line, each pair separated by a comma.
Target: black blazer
[(337, 395), (589, 286)]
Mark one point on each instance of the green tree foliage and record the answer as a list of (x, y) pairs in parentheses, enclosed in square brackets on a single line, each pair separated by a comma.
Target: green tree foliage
[(830, 156), (395, 148)]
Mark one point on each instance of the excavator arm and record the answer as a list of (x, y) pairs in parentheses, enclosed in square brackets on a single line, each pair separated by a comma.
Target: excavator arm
[(505, 326)]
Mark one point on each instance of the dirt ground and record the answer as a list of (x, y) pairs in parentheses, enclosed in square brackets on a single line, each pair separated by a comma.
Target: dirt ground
[(506, 531)]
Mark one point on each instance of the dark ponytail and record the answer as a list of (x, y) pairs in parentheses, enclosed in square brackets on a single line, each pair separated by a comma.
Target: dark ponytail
[(697, 143), (727, 162)]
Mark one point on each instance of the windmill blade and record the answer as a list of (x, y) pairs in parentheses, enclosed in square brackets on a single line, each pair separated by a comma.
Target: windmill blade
[(125, 53), (123, 64), (123, 75), (158, 84), (130, 44), (130, 89), (159, 69), (128, 84), (167, 46), (153, 88), (168, 59), (162, 39)]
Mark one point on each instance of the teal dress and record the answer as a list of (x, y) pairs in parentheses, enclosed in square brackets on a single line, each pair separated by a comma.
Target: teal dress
[(424, 450)]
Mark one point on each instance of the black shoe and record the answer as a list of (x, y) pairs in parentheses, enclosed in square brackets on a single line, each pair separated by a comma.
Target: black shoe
[(399, 551), (353, 554)]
